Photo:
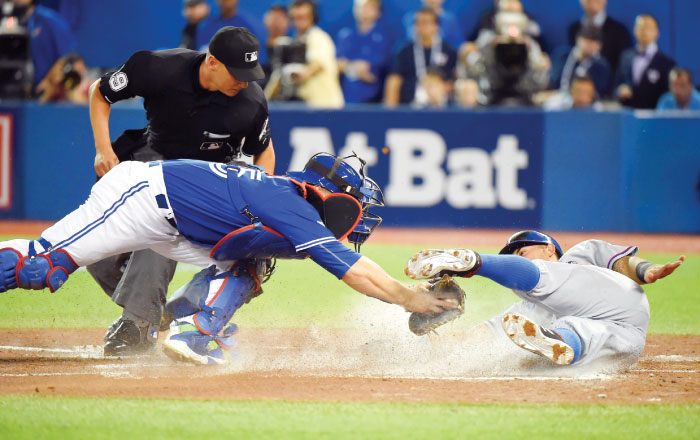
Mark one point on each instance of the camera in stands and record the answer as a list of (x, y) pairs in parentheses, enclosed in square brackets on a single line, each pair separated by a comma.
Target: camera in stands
[(288, 58), (510, 54), (16, 68)]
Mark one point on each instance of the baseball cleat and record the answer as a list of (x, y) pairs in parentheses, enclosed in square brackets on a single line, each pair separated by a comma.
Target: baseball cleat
[(186, 343), (431, 263), (539, 340), (125, 338)]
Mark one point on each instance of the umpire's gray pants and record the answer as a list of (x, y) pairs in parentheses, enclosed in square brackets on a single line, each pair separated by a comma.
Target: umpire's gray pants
[(138, 282)]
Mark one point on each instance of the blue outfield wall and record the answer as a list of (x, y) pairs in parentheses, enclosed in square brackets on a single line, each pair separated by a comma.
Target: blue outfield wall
[(489, 168)]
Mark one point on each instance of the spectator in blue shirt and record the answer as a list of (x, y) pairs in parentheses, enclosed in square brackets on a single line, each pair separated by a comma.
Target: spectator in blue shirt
[(683, 95), (415, 58), (363, 54), (70, 10), (450, 28), (50, 35), (228, 16)]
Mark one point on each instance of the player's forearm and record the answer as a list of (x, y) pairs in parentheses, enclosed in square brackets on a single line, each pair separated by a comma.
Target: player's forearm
[(266, 159), (633, 268), (642, 271), (99, 118), (366, 277)]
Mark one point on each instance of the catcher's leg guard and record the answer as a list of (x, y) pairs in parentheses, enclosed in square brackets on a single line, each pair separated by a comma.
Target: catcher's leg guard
[(432, 263), (210, 302), (228, 292), (9, 258), (35, 271)]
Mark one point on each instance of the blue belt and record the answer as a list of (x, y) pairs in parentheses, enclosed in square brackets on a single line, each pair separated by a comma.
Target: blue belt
[(162, 202)]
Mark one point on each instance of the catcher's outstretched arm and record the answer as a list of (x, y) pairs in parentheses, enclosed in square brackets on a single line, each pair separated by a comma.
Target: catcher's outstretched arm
[(369, 278), (644, 272)]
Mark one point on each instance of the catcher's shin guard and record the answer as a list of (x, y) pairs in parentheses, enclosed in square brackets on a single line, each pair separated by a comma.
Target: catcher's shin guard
[(432, 263), (227, 293), (9, 258), (35, 271), (212, 300)]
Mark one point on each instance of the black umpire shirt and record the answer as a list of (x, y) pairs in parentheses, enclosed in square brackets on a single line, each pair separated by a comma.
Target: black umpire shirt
[(186, 121)]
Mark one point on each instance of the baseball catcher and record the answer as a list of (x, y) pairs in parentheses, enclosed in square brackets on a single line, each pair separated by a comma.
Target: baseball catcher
[(219, 217), (581, 306)]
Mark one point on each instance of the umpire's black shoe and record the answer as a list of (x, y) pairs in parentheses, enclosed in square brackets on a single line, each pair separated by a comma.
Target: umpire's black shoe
[(125, 338)]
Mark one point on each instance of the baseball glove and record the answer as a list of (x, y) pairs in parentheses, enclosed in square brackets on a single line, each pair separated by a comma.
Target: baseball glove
[(422, 324)]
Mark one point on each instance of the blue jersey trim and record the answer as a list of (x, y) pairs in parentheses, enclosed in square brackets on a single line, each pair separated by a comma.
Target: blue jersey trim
[(618, 256), (111, 210)]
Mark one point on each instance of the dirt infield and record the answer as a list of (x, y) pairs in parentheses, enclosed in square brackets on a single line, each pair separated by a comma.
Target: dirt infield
[(70, 362), (349, 365)]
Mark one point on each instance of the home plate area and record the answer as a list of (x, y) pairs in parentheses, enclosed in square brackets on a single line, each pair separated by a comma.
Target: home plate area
[(346, 365)]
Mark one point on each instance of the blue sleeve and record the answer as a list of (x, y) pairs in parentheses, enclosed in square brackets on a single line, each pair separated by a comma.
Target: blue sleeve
[(666, 102), (334, 257), (65, 41), (407, 25), (451, 29), (283, 210), (254, 26), (343, 45), (204, 33), (511, 271), (381, 55)]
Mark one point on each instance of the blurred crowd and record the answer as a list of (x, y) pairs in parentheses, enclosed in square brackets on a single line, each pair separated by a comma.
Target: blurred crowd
[(431, 62)]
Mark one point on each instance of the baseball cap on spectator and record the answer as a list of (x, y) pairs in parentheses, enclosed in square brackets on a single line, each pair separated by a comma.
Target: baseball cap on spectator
[(238, 50), (591, 33), (188, 3)]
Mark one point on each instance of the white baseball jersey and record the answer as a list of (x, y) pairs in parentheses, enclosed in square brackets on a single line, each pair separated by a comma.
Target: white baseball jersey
[(580, 292)]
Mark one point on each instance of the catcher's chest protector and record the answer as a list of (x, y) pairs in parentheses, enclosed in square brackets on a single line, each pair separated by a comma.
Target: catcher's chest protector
[(339, 212), (254, 241)]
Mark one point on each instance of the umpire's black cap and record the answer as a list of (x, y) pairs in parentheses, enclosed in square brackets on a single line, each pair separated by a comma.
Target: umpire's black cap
[(238, 50)]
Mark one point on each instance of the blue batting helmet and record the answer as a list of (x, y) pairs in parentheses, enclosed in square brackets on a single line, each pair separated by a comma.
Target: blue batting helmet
[(529, 238), (336, 175)]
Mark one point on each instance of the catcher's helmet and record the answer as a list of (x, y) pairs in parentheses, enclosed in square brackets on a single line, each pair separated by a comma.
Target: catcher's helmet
[(529, 238), (336, 175)]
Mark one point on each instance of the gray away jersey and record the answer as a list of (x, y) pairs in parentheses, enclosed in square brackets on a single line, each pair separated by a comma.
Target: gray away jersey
[(608, 311)]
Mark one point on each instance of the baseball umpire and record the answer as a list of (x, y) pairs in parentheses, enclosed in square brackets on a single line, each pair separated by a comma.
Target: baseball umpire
[(204, 106), (579, 306), (219, 217)]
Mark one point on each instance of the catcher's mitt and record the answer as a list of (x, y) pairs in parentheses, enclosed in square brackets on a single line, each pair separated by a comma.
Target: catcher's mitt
[(422, 324)]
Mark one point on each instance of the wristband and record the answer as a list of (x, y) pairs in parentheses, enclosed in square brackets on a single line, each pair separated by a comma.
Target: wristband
[(642, 270)]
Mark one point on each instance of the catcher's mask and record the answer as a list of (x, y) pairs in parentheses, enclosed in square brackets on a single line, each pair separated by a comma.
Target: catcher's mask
[(529, 238), (346, 211)]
